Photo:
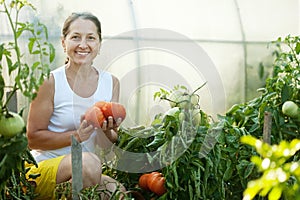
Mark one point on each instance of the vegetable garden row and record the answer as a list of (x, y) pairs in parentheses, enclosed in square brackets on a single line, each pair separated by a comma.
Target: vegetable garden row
[(205, 159)]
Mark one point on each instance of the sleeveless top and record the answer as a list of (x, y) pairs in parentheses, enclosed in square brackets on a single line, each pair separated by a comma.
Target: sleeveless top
[(68, 109)]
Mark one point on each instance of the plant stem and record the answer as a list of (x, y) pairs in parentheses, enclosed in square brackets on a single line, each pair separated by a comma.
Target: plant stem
[(198, 88), (16, 48)]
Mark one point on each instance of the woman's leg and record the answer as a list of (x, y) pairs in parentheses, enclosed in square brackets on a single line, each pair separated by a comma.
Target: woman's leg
[(91, 170), (91, 173)]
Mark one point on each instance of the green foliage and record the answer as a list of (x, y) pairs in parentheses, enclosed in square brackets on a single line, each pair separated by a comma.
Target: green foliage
[(26, 77), (280, 175), (14, 153), (216, 164)]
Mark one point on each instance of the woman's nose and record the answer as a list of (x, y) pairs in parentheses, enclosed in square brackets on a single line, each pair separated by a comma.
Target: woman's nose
[(83, 44)]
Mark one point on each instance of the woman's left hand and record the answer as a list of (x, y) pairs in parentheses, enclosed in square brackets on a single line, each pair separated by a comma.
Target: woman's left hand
[(110, 124)]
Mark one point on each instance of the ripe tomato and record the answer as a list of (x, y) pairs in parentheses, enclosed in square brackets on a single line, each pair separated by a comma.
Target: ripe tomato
[(156, 183), (116, 110), (143, 181), (11, 125), (94, 116), (100, 104)]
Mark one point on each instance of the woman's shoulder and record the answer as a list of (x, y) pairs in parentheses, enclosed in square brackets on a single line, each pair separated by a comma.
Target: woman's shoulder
[(58, 70)]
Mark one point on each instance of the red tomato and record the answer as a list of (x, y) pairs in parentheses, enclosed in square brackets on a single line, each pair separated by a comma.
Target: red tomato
[(94, 116), (100, 104), (116, 110), (156, 183), (143, 181)]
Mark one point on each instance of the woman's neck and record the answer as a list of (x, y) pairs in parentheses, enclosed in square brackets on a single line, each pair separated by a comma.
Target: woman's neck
[(82, 71)]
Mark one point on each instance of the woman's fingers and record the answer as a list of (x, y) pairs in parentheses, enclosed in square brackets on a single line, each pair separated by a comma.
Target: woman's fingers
[(110, 123), (85, 130), (119, 121)]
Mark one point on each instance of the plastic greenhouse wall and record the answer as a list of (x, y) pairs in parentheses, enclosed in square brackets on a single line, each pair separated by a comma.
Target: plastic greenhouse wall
[(152, 44)]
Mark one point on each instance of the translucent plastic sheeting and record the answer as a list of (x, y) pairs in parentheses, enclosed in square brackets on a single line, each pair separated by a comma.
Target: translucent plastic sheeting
[(232, 35)]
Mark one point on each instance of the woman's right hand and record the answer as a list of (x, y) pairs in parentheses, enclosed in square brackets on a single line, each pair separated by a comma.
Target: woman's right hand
[(84, 131)]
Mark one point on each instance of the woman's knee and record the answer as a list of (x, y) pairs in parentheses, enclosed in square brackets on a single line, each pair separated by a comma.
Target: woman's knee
[(91, 169)]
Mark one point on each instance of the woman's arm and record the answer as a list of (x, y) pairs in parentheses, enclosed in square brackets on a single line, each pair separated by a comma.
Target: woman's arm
[(116, 89), (41, 109)]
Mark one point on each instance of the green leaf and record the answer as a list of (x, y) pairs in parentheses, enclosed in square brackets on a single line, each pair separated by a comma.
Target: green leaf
[(261, 70), (31, 44), (8, 61), (250, 140), (1, 51), (229, 170), (297, 48), (275, 193), (35, 65), (249, 170), (2, 85), (285, 93), (13, 67)]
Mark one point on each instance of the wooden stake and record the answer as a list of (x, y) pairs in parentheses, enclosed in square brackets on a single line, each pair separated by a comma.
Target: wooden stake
[(267, 127), (76, 151)]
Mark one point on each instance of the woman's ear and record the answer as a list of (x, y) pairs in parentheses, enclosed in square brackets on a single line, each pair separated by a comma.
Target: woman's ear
[(63, 43)]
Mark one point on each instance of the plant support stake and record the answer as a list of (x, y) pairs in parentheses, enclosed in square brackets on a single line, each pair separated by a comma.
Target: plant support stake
[(267, 127), (76, 151)]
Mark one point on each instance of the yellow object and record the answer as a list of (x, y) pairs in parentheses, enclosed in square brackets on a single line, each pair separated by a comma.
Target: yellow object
[(46, 182)]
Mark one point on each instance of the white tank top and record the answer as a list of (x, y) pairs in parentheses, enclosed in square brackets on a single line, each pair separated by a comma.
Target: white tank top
[(68, 108)]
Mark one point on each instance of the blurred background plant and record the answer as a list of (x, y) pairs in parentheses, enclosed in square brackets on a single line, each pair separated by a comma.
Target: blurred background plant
[(280, 173)]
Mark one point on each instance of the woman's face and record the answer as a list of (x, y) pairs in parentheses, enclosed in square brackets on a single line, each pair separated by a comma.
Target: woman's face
[(82, 43)]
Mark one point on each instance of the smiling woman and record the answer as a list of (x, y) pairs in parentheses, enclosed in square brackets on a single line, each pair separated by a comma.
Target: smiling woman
[(56, 113), (82, 46)]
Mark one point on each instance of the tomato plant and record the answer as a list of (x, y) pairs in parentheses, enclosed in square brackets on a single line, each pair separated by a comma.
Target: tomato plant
[(209, 161), (26, 74)]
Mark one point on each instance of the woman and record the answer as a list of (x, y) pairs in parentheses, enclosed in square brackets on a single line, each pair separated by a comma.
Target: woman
[(56, 113)]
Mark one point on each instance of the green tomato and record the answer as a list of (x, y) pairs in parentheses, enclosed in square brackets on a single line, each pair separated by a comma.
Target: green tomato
[(11, 125), (194, 99), (290, 109), (175, 98), (185, 102), (181, 116), (196, 117)]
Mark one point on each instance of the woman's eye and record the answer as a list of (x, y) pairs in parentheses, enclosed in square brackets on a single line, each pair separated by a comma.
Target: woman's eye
[(75, 37), (91, 38)]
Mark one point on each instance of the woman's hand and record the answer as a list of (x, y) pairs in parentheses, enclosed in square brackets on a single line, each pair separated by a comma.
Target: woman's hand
[(84, 132), (110, 124), (110, 128)]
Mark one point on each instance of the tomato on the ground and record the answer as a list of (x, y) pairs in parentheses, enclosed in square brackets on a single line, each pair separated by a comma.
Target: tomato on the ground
[(156, 183), (143, 181)]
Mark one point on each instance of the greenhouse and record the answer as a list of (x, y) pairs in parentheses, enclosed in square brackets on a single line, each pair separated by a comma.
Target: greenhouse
[(166, 99)]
